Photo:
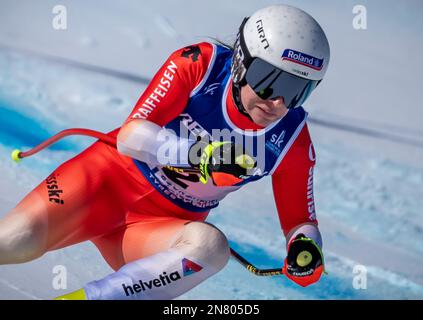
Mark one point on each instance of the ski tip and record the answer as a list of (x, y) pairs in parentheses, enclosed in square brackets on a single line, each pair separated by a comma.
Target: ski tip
[(76, 295), (16, 155)]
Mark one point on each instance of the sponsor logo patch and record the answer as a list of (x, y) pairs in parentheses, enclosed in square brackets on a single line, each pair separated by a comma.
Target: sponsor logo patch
[(303, 59), (54, 191), (188, 267), (274, 144)]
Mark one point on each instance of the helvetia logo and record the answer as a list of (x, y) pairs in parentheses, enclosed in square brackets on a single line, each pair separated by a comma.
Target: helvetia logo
[(303, 59), (188, 267)]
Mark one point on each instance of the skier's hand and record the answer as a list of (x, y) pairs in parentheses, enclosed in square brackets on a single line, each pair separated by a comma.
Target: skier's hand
[(305, 263), (224, 162)]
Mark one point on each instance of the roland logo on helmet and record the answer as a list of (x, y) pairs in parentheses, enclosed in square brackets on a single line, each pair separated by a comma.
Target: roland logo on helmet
[(303, 59)]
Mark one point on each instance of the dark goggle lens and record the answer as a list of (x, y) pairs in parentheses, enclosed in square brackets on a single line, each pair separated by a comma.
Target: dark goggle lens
[(265, 93), (269, 82)]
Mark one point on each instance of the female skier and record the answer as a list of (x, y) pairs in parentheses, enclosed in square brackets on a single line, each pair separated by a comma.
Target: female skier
[(213, 119)]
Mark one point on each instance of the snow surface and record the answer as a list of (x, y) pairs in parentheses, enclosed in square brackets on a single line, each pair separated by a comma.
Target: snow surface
[(368, 190)]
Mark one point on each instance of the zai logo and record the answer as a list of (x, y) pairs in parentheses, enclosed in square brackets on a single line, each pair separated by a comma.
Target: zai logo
[(303, 59), (189, 267)]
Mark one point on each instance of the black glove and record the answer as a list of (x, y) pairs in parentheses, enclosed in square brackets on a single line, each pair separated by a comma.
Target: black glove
[(225, 162), (305, 263)]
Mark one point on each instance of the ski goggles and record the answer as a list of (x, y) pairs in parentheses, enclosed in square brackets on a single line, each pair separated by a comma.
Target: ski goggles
[(268, 81)]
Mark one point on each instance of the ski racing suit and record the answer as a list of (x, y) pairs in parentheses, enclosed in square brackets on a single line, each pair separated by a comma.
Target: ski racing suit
[(147, 220)]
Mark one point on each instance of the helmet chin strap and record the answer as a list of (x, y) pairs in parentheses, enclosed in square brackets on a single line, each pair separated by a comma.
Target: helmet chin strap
[(236, 94)]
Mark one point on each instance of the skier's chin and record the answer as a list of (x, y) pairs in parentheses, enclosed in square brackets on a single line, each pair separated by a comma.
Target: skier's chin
[(262, 120)]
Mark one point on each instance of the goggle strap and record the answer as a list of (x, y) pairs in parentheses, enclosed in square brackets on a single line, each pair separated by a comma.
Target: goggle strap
[(243, 45)]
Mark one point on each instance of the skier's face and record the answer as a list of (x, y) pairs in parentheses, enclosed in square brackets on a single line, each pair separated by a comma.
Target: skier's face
[(263, 112)]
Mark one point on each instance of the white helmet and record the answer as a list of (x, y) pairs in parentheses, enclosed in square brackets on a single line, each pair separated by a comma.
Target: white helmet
[(280, 51)]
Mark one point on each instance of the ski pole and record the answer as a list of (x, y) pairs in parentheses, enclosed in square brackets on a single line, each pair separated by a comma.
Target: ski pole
[(253, 269), (18, 155)]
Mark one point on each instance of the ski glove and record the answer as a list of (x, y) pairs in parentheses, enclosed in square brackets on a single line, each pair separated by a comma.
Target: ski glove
[(224, 162), (304, 263)]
